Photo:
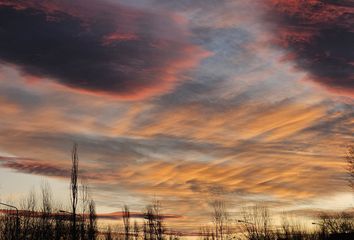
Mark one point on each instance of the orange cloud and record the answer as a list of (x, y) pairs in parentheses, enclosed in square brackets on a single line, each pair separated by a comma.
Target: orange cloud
[(227, 126)]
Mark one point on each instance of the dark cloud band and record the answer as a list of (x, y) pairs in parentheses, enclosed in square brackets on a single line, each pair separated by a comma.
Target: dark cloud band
[(97, 47), (319, 36), (32, 166)]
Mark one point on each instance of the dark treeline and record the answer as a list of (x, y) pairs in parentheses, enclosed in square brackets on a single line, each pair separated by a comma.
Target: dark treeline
[(257, 223), (38, 218), (42, 221)]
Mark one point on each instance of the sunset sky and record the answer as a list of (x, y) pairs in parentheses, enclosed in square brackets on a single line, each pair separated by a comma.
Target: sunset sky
[(184, 101)]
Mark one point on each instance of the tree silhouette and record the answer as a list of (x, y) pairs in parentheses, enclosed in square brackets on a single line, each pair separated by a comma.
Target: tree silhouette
[(74, 188), (350, 166), (126, 222), (92, 228)]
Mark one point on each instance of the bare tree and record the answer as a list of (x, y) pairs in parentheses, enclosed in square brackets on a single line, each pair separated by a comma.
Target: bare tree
[(153, 227), (108, 235), (206, 233), (10, 224), (28, 222), (41, 222), (159, 228), (339, 224), (149, 223), (145, 231), (292, 229), (84, 209), (46, 211), (257, 223), (136, 230), (220, 219), (74, 188), (350, 166), (92, 229), (60, 231), (126, 222)]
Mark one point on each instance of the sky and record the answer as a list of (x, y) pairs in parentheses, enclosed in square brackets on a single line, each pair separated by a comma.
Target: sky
[(184, 101)]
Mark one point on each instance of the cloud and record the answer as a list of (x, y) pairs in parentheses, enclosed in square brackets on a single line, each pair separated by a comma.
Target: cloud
[(242, 157), (97, 47), (320, 212), (110, 216), (32, 166), (119, 215), (318, 36), (218, 125)]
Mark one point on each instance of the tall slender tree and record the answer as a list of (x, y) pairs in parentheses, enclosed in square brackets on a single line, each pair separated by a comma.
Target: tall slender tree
[(84, 208), (350, 166), (74, 188), (92, 228), (136, 230), (46, 212), (126, 222)]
